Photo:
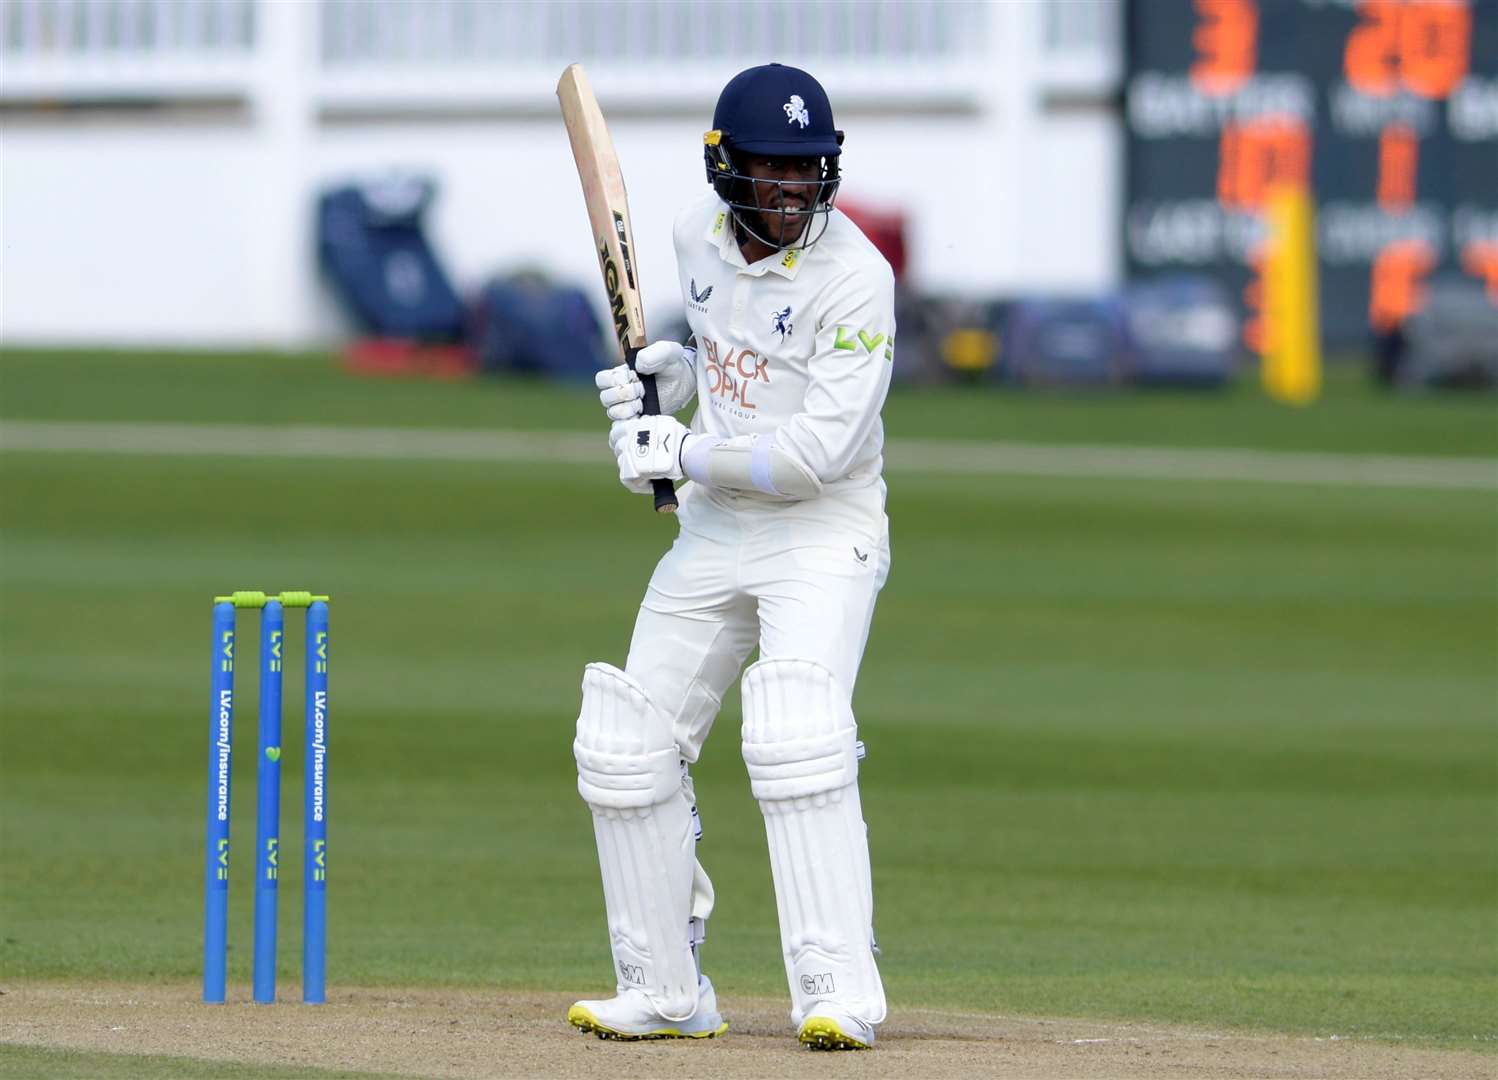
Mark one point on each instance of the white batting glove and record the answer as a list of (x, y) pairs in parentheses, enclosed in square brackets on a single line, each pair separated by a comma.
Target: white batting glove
[(674, 368), (647, 448)]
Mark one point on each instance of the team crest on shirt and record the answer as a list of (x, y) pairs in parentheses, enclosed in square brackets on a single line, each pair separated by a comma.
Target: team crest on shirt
[(699, 299), (781, 322), (795, 111)]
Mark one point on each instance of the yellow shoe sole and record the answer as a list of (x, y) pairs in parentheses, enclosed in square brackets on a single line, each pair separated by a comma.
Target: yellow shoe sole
[(820, 1033), (584, 1020)]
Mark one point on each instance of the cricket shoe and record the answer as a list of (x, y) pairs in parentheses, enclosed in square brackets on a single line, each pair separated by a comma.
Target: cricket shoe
[(631, 1017), (829, 1028)]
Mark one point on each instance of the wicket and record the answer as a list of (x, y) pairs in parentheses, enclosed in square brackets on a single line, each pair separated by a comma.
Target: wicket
[(268, 796)]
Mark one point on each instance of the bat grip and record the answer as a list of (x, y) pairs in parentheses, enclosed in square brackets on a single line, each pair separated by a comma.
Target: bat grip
[(665, 491)]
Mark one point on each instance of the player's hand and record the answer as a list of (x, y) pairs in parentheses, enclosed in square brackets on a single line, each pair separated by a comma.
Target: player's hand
[(647, 448), (620, 390)]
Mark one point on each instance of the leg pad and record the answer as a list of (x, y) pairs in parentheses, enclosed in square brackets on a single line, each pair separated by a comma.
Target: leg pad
[(801, 747), (629, 774)]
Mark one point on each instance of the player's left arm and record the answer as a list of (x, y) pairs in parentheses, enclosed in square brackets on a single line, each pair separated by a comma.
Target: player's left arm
[(850, 375)]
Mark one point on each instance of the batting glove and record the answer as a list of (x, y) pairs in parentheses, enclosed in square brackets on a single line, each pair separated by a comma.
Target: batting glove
[(674, 368), (647, 448)]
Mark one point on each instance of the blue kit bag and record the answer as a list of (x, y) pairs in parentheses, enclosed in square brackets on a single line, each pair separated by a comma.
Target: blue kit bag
[(1065, 343), (372, 246), (525, 323)]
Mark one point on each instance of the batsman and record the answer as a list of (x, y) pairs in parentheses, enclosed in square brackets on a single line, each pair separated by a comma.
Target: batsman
[(783, 546)]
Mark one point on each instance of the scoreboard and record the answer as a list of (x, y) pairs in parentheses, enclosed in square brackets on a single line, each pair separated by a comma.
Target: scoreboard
[(1385, 111)]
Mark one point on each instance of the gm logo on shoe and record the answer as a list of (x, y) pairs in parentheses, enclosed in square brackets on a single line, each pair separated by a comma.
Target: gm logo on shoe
[(818, 985)]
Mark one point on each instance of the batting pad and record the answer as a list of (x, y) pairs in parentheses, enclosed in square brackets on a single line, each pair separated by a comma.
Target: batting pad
[(629, 774), (801, 747)]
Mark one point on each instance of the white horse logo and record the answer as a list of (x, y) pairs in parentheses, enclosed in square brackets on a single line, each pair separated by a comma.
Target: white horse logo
[(795, 111)]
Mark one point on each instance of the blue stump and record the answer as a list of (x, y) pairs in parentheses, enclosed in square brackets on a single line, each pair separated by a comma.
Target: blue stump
[(315, 856), (216, 855), (268, 799)]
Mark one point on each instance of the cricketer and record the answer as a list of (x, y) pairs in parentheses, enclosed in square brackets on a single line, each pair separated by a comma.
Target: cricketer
[(783, 545)]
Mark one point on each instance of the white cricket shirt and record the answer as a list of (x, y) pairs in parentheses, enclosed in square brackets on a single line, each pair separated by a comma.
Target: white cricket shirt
[(799, 345)]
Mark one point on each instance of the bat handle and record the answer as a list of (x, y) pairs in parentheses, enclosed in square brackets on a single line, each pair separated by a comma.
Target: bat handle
[(665, 491)]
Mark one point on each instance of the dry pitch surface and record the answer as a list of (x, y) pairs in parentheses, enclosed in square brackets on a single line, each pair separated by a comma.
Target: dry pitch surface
[(464, 1033)]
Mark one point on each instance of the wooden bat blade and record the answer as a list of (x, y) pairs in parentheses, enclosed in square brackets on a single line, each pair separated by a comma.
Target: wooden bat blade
[(613, 233), (608, 205)]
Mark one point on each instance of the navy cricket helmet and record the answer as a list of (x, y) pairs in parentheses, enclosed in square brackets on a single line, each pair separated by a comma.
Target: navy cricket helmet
[(773, 111)]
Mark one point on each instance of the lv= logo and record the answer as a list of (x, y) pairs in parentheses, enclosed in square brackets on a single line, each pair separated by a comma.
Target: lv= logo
[(870, 342)]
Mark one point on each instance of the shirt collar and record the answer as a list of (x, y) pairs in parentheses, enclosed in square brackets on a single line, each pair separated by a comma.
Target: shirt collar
[(720, 234)]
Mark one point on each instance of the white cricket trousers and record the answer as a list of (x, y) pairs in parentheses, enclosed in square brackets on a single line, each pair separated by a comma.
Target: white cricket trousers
[(799, 579)]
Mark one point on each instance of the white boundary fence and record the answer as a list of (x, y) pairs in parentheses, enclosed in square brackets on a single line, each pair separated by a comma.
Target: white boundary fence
[(82, 50), (947, 103)]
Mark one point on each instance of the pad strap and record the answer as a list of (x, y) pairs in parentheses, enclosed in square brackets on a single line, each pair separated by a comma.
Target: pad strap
[(626, 781), (799, 767)]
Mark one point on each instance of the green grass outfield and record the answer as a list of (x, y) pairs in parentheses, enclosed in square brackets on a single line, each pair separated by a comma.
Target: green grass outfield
[(1353, 417), (1221, 753)]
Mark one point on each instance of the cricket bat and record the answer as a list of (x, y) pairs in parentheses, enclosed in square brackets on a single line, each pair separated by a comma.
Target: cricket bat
[(613, 235)]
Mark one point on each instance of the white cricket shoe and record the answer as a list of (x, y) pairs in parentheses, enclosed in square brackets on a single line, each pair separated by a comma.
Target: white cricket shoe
[(829, 1028), (631, 1017)]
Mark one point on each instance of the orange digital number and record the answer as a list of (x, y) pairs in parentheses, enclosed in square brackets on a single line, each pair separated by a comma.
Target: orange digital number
[(1435, 46), (1371, 58), (1258, 155), (1398, 165), (1424, 45), (1226, 42), (1396, 292)]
